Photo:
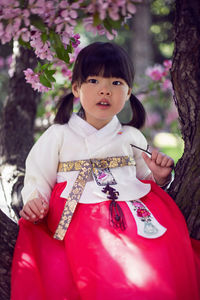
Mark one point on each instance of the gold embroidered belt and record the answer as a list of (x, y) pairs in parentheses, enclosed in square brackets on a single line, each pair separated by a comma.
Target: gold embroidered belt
[(85, 167)]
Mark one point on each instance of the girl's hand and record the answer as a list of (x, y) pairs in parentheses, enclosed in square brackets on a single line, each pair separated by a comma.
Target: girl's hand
[(160, 165), (35, 210)]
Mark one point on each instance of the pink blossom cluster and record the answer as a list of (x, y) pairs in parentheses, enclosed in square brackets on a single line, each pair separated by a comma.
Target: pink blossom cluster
[(60, 15), (65, 19), (99, 29), (160, 73), (64, 68), (35, 22), (114, 9), (33, 79), (13, 20), (108, 8), (42, 49), (75, 40)]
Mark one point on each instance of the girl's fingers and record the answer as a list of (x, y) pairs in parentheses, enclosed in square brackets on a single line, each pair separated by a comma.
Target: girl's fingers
[(161, 159), (34, 209), (170, 163), (146, 158), (24, 215), (154, 155), (41, 209), (165, 161), (28, 211)]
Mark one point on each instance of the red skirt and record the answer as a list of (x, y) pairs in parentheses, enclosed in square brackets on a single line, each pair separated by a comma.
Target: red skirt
[(98, 262)]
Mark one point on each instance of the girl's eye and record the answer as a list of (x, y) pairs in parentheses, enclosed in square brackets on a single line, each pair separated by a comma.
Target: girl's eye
[(92, 80), (117, 82)]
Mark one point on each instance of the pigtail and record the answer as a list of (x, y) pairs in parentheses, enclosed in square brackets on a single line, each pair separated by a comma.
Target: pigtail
[(64, 109), (138, 113)]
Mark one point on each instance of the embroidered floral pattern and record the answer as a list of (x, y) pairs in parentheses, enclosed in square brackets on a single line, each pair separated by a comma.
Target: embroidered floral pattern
[(145, 216), (85, 167), (141, 210)]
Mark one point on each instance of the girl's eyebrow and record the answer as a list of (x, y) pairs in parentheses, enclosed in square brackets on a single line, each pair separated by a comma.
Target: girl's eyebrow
[(141, 148)]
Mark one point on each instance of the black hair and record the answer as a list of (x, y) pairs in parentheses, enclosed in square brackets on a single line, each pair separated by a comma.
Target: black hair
[(107, 60)]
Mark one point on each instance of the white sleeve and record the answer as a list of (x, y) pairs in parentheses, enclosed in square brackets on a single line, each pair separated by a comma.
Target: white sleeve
[(142, 170), (41, 165)]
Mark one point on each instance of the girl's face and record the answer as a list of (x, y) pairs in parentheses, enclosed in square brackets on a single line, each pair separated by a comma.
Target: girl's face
[(101, 98)]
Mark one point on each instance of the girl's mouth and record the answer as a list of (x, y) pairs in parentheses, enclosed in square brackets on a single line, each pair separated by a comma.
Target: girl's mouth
[(103, 103)]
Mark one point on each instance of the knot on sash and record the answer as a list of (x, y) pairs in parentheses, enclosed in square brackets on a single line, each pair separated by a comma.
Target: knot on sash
[(85, 167)]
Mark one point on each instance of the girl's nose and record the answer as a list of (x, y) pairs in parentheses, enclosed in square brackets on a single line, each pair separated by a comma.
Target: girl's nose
[(105, 91)]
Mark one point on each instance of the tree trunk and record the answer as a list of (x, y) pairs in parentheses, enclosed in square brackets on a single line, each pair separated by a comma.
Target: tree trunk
[(16, 139), (142, 48), (186, 82), (17, 127), (8, 236)]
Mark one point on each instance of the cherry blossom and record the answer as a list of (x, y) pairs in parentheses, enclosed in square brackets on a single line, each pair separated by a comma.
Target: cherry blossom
[(166, 85), (49, 27), (167, 64), (99, 29), (155, 72), (42, 50), (33, 78)]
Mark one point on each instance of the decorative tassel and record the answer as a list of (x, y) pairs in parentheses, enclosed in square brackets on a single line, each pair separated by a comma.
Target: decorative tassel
[(117, 218)]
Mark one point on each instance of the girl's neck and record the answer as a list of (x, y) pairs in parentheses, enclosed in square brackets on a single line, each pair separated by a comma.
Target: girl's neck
[(97, 124)]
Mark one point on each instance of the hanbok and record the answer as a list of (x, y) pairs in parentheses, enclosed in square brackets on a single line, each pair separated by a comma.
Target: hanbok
[(151, 258)]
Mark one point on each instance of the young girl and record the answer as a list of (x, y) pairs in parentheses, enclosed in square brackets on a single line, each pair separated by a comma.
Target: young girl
[(95, 224)]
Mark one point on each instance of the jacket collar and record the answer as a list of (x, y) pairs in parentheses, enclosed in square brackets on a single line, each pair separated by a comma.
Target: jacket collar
[(83, 128), (94, 138)]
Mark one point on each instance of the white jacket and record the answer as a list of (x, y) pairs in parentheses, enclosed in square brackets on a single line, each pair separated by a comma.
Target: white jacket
[(78, 140)]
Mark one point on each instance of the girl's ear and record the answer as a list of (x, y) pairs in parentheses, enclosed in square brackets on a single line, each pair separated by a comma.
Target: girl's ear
[(129, 94), (75, 89)]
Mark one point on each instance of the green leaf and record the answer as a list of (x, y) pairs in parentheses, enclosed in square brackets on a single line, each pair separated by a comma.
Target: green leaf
[(126, 26), (44, 37), (44, 80), (96, 20), (56, 43), (66, 57), (38, 68), (55, 39), (107, 25), (38, 22), (59, 52), (24, 44), (49, 74), (52, 72), (69, 48), (62, 54), (45, 66), (111, 24), (116, 24)]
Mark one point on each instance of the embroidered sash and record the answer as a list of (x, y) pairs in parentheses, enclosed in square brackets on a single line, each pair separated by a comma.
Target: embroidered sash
[(85, 167)]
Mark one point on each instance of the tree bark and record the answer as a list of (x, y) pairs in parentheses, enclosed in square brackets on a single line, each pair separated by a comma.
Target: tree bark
[(142, 47), (16, 139), (8, 236), (186, 82), (17, 128)]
